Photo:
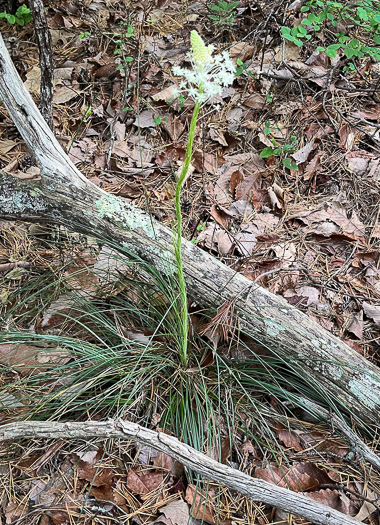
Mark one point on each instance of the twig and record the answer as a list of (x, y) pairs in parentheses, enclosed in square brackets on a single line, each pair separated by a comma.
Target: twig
[(254, 489), (6, 267)]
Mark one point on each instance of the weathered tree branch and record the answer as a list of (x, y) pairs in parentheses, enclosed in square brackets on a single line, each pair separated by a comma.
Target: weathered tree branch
[(255, 489), (46, 59), (64, 196)]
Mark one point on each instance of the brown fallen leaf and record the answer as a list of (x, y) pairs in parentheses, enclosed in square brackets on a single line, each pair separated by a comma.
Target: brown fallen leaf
[(109, 493), (367, 508), (373, 312), (247, 187), (217, 239), (145, 119), (333, 499), (207, 161), (229, 176), (241, 50), (174, 513), (255, 101), (358, 165), (286, 252), (89, 467), (290, 439), (300, 477), (7, 145), (246, 239), (302, 154), (236, 178), (242, 209), (166, 94), (168, 464), (248, 162), (313, 167), (200, 508), (331, 217), (220, 214), (27, 357), (142, 483), (217, 136), (370, 112), (355, 324), (174, 127)]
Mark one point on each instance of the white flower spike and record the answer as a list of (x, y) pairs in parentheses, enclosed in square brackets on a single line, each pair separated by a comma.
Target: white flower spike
[(202, 54), (209, 74)]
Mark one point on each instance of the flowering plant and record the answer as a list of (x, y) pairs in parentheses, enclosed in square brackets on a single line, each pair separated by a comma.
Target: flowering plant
[(208, 76)]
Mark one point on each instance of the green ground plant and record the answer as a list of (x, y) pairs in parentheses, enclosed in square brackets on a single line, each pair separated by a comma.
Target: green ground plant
[(223, 12), (336, 18), (241, 67), (21, 17), (120, 40), (281, 152), (84, 35)]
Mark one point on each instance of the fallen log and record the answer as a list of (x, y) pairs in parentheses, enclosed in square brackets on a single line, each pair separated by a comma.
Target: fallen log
[(64, 196), (255, 489)]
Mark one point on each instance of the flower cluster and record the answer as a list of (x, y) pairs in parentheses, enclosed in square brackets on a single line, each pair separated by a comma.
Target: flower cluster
[(208, 75)]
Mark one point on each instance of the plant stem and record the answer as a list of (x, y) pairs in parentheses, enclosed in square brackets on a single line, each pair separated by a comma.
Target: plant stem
[(184, 326)]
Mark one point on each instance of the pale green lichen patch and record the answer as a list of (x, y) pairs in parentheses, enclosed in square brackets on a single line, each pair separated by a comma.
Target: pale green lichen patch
[(108, 207), (366, 390), (18, 200), (21, 201), (163, 259), (35, 193), (165, 262), (273, 328), (326, 368), (129, 217)]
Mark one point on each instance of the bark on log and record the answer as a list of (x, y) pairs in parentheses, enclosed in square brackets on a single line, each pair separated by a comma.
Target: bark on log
[(65, 196), (46, 59), (255, 489)]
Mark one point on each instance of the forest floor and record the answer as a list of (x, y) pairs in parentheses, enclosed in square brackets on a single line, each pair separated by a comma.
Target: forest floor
[(284, 187)]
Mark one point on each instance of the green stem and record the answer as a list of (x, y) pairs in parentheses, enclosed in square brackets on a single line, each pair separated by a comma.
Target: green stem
[(178, 237)]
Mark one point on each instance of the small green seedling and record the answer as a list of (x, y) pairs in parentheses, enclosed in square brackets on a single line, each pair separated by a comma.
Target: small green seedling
[(21, 17), (120, 43), (241, 67), (280, 151), (295, 34), (84, 35), (223, 12), (158, 120)]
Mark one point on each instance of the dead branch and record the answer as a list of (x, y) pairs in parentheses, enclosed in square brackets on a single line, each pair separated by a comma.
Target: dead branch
[(254, 489), (46, 59)]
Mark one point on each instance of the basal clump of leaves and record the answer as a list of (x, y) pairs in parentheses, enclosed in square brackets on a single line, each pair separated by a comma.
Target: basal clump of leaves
[(351, 28), (119, 354)]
